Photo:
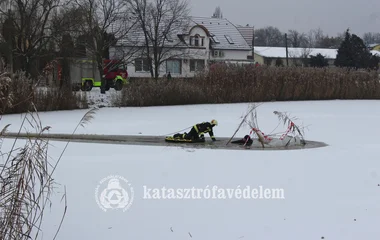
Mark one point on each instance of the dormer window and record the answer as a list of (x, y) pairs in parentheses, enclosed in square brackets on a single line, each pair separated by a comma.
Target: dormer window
[(197, 41)]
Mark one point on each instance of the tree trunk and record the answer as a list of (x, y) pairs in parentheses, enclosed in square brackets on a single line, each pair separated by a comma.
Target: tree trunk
[(150, 66), (10, 58), (66, 72), (99, 60), (156, 70)]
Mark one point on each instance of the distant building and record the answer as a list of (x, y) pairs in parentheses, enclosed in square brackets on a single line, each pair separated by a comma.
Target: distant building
[(296, 56)]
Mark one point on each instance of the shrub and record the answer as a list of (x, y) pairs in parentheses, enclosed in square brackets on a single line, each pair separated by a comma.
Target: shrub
[(247, 83)]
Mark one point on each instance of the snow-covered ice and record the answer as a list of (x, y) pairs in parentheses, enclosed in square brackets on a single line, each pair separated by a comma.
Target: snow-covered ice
[(331, 192)]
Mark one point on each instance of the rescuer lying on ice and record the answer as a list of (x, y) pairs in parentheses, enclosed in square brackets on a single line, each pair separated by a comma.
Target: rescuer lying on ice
[(198, 130)]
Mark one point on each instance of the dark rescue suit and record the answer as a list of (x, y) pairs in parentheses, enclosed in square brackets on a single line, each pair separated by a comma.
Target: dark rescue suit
[(247, 140), (198, 131)]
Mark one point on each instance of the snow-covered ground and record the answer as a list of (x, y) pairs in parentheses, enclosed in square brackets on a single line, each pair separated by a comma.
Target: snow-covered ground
[(96, 99), (331, 192)]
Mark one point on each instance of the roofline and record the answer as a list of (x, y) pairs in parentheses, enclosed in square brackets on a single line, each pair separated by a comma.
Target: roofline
[(235, 49), (296, 48), (201, 26), (173, 47), (293, 57)]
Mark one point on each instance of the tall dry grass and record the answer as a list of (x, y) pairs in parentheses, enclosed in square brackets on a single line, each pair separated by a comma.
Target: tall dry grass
[(26, 169), (27, 180), (18, 92), (233, 84)]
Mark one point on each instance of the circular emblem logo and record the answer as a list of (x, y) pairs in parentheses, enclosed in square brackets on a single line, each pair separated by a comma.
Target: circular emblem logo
[(114, 192)]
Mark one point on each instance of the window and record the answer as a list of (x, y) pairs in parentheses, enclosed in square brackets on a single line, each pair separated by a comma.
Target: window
[(229, 39), (215, 39), (196, 40), (218, 53), (197, 65), (173, 66), (141, 65)]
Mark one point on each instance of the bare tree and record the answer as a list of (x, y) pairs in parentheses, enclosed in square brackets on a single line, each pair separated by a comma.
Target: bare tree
[(65, 28), (161, 21), (314, 37), (30, 22), (300, 56), (371, 38), (297, 39), (217, 13), (305, 56), (104, 23), (269, 37), (68, 21), (329, 42)]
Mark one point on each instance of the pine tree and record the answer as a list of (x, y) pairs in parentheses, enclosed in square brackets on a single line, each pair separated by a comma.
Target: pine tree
[(353, 53), (318, 61)]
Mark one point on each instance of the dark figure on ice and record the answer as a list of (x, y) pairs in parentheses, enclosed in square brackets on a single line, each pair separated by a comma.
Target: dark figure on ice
[(198, 130), (247, 141)]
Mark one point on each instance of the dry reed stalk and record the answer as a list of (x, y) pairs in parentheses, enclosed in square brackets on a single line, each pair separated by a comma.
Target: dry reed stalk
[(26, 174)]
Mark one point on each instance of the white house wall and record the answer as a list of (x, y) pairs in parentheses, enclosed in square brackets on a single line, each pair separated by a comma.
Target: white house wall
[(231, 55), (184, 55), (202, 54)]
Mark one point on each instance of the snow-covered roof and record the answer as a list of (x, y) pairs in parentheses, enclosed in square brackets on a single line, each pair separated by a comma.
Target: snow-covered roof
[(247, 33), (133, 35), (225, 33), (280, 52)]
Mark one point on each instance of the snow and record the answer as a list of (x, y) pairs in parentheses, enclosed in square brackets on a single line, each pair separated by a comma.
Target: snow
[(330, 192), (280, 52), (375, 52), (96, 99)]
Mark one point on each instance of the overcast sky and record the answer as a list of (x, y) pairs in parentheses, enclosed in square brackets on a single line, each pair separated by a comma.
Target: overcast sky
[(332, 16)]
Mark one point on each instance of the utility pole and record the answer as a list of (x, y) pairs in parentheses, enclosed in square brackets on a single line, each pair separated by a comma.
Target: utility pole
[(253, 44), (286, 47)]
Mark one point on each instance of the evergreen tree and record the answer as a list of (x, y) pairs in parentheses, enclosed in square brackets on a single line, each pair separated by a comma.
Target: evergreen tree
[(353, 53), (318, 61)]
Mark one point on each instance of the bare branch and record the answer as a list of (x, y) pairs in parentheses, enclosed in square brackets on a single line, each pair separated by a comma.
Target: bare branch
[(160, 23)]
